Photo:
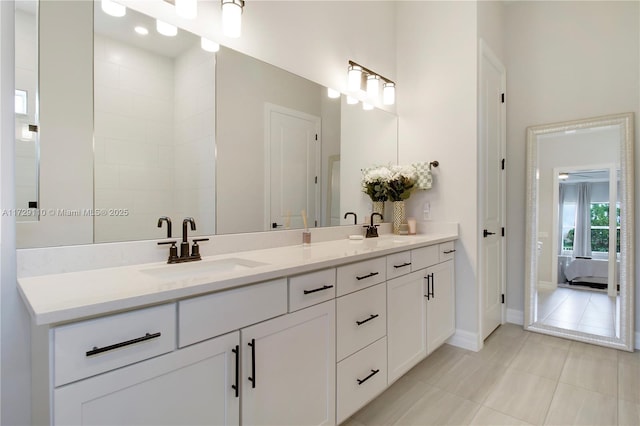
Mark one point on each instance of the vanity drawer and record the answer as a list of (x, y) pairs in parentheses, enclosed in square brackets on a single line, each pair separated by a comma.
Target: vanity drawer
[(447, 250), (361, 319), (91, 347), (357, 276), (398, 264), (424, 257), (360, 378), (208, 316), (311, 289)]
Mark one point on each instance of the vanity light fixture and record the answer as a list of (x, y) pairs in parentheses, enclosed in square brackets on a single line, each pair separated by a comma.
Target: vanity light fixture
[(351, 100), (333, 93), (187, 9), (354, 83), (166, 29), (209, 45), (232, 17), (141, 30), (112, 8), (563, 175)]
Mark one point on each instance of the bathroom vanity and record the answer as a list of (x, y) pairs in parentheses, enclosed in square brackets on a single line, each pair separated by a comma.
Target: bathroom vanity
[(289, 335)]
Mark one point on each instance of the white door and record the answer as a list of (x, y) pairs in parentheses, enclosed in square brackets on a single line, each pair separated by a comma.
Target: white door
[(292, 168), (441, 304), (289, 369), (406, 323), (492, 188), (193, 385)]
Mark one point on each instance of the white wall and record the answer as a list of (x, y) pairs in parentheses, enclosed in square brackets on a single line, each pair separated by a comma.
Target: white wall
[(437, 73), (565, 61)]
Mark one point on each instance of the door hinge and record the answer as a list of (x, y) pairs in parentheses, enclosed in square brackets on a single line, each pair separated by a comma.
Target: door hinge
[(502, 297), (502, 97), (502, 163), (316, 136), (33, 128), (503, 231), (316, 222), (316, 180)]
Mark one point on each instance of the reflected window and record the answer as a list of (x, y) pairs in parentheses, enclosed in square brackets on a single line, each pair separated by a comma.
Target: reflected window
[(21, 102)]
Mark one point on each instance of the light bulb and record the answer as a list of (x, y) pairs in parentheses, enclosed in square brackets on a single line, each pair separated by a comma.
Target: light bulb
[(332, 93), (112, 8), (373, 87), (166, 29), (141, 30), (354, 78), (351, 100), (187, 9), (209, 45), (389, 93), (232, 18)]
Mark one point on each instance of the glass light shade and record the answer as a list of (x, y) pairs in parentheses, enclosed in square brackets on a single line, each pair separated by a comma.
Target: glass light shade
[(141, 30), (351, 100), (112, 8), (354, 78), (367, 106), (209, 45), (373, 87), (389, 93), (563, 175), (332, 93), (187, 9), (232, 18), (166, 29)]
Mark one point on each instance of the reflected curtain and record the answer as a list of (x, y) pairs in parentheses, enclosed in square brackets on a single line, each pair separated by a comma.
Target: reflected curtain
[(582, 241), (561, 196)]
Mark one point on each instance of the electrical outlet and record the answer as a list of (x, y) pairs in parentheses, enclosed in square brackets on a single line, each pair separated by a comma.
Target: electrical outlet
[(426, 211)]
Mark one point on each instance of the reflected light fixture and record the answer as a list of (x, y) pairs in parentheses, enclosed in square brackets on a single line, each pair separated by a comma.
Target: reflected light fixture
[(141, 30), (563, 175), (367, 106), (166, 29), (351, 100), (389, 93), (232, 17), (373, 86), (112, 8), (355, 75), (333, 93), (187, 9), (209, 45)]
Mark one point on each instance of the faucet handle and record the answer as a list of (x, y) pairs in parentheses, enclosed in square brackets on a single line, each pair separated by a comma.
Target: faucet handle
[(195, 248), (173, 250)]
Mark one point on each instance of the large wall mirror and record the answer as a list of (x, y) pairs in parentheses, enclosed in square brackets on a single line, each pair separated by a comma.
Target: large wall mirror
[(236, 143), (579, 245)]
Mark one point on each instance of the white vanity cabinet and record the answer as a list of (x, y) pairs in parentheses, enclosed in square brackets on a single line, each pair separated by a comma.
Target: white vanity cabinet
[(441, 317)]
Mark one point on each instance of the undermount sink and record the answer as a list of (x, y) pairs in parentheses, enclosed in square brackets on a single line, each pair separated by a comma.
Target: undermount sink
[(202, 268)]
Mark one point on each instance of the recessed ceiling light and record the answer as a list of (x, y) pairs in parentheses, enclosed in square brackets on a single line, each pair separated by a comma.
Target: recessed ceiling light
[(141, 30)]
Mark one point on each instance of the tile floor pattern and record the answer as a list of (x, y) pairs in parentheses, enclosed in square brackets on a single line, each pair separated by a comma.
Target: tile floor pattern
[(582, 310), (518, 378)]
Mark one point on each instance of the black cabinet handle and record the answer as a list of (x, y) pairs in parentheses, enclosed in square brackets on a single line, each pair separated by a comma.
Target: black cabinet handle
[(235, 387), (373, 274), (326, 287), (368, 319), (252, 379), (373, 373), (449, 251), (96, 350), (433, 281), (402, 266), (428, 278)]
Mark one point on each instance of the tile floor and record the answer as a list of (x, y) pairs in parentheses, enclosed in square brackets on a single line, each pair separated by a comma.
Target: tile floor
[(583, 310), (518, 378)]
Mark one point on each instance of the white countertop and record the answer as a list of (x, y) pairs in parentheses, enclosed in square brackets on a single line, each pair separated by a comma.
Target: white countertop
[(57, 298)]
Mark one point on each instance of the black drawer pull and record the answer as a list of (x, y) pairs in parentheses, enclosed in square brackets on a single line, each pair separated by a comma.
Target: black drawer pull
[(449, 251), (402, 266), (368, 319), (373, 373), (373, 274), (96, 350), (235, 387), (326, 287), (252, 379)]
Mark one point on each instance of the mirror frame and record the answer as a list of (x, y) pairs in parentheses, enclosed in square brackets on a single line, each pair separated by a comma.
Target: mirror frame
[(626, 196)]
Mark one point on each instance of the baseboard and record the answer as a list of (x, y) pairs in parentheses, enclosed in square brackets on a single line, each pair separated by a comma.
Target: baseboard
[(465, 340), (515, 316), (547, 285)]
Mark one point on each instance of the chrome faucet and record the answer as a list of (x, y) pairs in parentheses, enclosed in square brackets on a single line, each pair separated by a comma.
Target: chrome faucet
[(184, 246), (372, 230), (355, 217)]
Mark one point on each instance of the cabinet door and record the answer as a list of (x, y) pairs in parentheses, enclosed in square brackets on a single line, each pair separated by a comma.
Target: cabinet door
[(188, 386), (406, 323), (288, 367), (441, 305)]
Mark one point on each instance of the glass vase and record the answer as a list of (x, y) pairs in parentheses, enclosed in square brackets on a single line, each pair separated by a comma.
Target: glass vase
[(399, 215), (378, 207)]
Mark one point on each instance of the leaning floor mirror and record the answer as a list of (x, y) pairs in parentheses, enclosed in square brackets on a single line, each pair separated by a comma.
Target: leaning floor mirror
[(580, 231)]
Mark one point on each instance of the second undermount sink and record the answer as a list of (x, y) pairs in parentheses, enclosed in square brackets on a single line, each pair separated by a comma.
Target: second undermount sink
[(203, 268)]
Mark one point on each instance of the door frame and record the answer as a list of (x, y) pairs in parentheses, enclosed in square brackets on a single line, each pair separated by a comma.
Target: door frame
[(485, 53), (268, 109)]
